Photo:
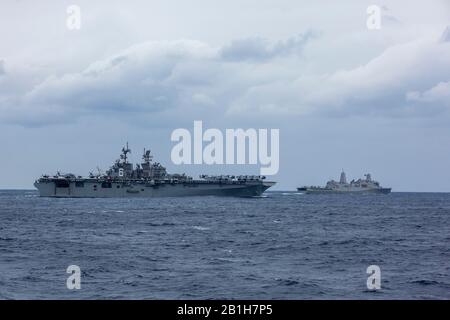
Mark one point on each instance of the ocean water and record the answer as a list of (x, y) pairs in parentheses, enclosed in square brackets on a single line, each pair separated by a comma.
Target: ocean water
[(284, 245)]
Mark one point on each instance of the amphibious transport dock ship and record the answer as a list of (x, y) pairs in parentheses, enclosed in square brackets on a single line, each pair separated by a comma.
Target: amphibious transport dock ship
[(366, 185), (149, 179)]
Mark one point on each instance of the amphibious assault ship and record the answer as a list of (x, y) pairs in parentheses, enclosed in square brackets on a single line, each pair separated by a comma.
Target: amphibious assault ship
[(366, 185), (149, 179)]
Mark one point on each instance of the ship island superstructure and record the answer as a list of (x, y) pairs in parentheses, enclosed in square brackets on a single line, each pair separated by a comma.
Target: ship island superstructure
[(148, 179), (365, 185)]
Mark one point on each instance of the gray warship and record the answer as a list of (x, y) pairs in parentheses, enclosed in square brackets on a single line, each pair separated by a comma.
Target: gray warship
[(366, 185), (149, 179)]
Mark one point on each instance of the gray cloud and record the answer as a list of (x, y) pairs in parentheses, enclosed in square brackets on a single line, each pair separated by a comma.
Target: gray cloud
[(137, 80), (440, 94), (259, 49), (2, 67), (378, 87), (446, 35), (147, 78), (388, 18), (171, 78)]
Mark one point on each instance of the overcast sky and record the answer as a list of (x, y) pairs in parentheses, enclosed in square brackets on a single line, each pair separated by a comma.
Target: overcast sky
[(343, 96)]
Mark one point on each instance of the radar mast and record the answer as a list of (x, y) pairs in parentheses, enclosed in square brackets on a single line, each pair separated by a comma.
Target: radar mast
[(147, 157), (125, 151)]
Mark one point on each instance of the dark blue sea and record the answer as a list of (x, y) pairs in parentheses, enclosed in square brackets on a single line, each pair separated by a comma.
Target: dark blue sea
[(284, 245)]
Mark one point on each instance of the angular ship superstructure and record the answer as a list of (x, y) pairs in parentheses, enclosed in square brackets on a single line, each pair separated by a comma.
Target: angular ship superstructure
[(149, 179), (366, 185)]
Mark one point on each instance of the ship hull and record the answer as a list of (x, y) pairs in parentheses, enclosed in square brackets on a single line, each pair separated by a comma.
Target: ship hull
[(94, 189), (330, 191)]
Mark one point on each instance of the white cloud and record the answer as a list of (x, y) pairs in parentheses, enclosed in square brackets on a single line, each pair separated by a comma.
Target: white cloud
[(377, 87), (147, 78), (138, 80), (440, 93), (244, 77)]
